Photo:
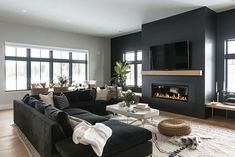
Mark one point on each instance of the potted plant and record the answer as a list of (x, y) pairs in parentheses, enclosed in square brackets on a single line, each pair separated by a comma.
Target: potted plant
[(62, 85), (130, 98), (121, 69)]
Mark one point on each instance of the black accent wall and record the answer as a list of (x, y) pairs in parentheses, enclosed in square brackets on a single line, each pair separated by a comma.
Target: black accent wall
[(197, 26), (120, 45)]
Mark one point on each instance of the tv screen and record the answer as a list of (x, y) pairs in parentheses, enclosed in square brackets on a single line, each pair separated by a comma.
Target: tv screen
[(173, 56)]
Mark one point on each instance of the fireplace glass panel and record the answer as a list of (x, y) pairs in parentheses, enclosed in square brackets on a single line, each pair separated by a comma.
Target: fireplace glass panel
[(172, 92)]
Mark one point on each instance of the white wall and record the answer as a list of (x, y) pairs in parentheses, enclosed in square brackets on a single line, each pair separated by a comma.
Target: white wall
[(99, 51)]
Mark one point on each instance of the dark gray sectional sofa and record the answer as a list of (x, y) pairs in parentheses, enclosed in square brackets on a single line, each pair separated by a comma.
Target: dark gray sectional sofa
[(50, 140)]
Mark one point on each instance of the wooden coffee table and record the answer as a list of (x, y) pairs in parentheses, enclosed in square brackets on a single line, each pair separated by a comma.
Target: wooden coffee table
[(143, 115)]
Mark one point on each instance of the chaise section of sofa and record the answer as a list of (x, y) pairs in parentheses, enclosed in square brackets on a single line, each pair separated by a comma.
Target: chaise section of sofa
[(126, 141)]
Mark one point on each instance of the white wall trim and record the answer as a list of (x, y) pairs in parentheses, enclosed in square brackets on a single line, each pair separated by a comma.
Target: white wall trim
[(6, 106)]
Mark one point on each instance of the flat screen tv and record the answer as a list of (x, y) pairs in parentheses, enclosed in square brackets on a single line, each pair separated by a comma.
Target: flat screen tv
[(173, 56)]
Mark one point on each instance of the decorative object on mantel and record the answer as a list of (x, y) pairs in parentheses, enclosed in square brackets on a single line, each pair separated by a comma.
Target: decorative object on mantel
[(173, 73), (130, 98), (62, 85)]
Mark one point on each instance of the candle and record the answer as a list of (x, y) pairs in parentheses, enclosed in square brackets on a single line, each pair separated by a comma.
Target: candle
[(216, 86), (224, 86)]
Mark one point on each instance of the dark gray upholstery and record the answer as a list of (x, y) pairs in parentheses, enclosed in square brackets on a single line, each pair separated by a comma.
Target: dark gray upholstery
[(49, 139), (124, 137), (41, 131)]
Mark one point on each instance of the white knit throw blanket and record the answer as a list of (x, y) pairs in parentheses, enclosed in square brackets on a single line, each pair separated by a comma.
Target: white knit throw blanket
[(95, 135)]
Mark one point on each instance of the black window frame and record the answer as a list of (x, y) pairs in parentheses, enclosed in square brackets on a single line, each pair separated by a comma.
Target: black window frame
[(51, 60), (134, 88), (227, 57)]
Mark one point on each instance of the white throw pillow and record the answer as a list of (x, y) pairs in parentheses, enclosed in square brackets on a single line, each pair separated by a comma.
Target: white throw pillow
[(102, 94), (48, 99)]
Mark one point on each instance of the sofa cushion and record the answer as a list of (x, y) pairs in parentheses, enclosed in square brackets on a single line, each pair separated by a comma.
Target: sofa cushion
[(74, 111), (40, 106), (32, 101), (91, 118), (25, 99), (85, 95), (72, 96), (124, 137), (61, 101), (61, 117), (47, 98)]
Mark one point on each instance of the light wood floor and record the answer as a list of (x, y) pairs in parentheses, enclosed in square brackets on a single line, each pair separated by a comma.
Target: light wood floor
[(11, 146)]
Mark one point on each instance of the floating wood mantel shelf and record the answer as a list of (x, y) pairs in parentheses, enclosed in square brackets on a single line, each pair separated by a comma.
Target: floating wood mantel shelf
[(173, 72)]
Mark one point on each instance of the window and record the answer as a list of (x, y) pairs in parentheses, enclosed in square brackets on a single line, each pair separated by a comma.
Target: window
[(230, 65), (25, 65), (134, 58)]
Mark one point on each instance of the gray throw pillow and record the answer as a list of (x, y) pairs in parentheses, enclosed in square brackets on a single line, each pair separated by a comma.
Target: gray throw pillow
[(61, 101)]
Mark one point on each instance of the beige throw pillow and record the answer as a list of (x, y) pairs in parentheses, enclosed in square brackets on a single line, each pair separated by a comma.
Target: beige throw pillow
[(48, 99), (114, 92), (103, 94)]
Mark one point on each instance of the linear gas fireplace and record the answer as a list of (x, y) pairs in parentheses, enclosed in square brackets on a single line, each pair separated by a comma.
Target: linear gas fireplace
[(169, 91)]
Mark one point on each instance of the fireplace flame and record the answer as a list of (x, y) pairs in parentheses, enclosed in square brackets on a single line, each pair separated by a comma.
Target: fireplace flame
[(174, 96)]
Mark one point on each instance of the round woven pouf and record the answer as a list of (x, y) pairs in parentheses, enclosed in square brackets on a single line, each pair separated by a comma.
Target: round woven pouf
[(174, 127)]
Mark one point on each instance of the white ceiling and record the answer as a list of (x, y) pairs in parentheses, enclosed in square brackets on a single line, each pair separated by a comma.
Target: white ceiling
[(105, 18)]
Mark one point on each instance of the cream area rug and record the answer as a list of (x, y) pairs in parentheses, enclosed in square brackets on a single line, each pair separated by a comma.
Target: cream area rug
[(216, 141)]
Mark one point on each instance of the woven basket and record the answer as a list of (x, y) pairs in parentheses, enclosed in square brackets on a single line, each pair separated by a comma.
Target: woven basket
[(174, 127)]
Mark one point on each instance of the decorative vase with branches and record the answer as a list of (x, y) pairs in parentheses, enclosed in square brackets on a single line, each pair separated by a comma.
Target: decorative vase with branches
[(63, 81)]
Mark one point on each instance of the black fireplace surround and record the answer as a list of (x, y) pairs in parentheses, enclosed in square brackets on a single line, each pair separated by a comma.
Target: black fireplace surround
[(170, 91)]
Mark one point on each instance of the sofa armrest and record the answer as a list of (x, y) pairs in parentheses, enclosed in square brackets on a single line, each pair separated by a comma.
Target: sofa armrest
[(41, 131)]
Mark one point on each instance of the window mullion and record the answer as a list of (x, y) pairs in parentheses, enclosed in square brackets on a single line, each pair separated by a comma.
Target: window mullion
[(28, 69), (70, 67), (51, 67)]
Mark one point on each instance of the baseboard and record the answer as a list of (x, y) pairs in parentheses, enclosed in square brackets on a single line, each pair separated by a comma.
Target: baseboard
[(6, 106)]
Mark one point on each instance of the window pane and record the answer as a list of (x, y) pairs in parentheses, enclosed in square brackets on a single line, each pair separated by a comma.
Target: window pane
[(57, 54), (35, 72), (231, 75), (78, 56), (79, 73), (65, 54), (21, 75), (45, 53), (231, 47), (45, 76), (139, 55), (139, 75), (65, 70), (56, 71), (10, 51), (130, 56), (131, 76), (35, 53), (21, 52), (10, 75)]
